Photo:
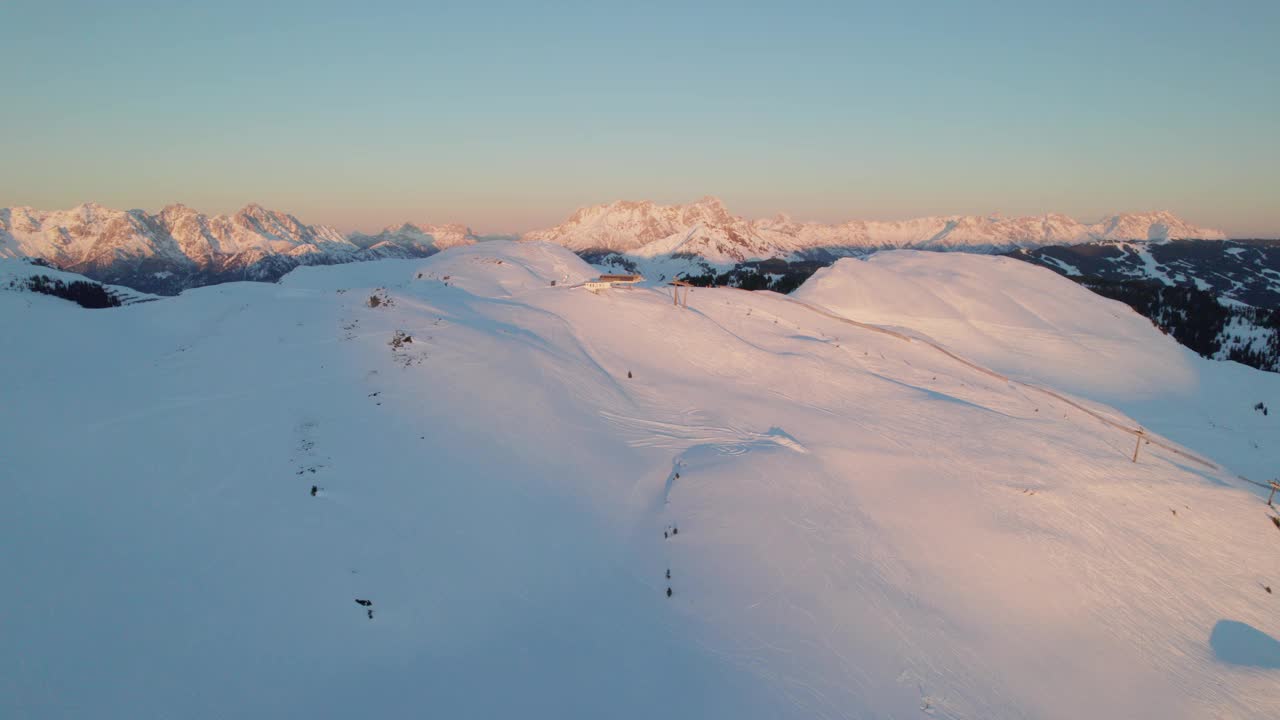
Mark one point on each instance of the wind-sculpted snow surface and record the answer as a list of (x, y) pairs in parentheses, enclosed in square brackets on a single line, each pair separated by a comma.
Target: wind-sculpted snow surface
[(485, 495), (1034, 325)]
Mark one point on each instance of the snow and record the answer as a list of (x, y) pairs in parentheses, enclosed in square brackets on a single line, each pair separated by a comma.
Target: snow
[(1240, 333), (425, 237), (1151, 268), (1066, 267), (91, 237), (708, 230), (1033, 325), (13, 271), (863, 525), (179, 247)]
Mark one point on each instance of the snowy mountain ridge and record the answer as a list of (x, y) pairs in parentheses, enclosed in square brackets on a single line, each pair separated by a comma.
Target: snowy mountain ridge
[(179, 247), (708, 230), (906, 491), (427, 237), (34, 277), (1220, 298)]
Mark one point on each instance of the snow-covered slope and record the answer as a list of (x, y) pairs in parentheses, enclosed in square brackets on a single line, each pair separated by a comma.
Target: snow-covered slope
[(15, 274), (854, 523), (1245, 272), (707, 230), (1221, 298), (1029, 322)]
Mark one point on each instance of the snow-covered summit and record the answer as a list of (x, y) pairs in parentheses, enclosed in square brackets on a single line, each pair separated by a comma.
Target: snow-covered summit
[(180, 247), (491, 496), (175, 248), (1011, 316), (424, 238), (708, 230), (625, 226)]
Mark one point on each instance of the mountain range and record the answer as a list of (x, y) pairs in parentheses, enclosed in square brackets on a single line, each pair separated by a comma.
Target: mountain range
[(1239, 272), (415, 239), (708, 230), (179, 248)]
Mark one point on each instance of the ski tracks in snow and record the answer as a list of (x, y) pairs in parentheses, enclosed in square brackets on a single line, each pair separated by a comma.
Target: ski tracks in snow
[(728, 440)]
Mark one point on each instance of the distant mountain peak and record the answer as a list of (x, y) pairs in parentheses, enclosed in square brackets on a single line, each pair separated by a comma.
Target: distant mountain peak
[(707, 229), (175, 248), (422, 238)]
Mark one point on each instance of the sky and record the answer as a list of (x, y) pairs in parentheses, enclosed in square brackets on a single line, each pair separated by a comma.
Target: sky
[(508, 116)]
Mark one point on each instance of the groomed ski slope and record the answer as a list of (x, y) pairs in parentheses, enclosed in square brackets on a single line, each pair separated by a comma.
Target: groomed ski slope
[(861, 526), (1034, 326)]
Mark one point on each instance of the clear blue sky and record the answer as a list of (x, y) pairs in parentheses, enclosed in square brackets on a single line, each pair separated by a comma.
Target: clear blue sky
[(507, 116)]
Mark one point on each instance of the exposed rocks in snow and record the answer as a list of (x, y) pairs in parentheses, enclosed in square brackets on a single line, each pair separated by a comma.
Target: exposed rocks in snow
[(380, 298)]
